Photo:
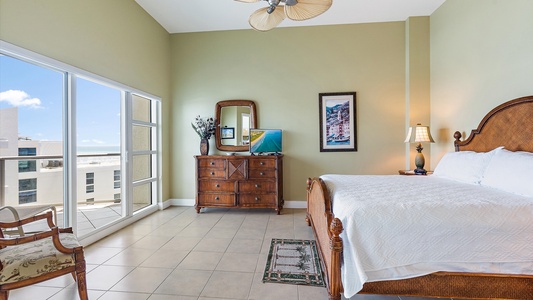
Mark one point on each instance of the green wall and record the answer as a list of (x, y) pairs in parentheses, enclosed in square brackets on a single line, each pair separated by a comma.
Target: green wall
[(481, 56), (115, 39), (283, 71)]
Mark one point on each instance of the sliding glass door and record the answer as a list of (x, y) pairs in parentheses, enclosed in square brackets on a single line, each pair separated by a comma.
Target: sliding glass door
[(82, 143)]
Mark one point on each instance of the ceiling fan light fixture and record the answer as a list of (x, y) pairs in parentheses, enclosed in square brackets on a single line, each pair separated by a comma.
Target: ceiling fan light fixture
[(291, 2)]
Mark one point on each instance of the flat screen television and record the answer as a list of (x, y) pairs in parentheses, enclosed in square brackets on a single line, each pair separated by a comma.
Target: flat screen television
[(265, 141)]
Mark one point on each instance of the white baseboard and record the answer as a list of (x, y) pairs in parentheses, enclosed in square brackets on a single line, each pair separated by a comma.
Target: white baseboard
[(190, 202)]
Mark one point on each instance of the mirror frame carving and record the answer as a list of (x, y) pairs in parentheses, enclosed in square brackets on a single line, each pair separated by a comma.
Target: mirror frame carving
[(218, 111)]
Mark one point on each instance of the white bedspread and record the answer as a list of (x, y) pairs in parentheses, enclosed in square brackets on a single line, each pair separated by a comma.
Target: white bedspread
[(398, 227)]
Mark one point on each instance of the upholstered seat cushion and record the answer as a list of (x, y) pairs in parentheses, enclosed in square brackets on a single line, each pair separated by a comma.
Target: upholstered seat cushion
[(34, 259)]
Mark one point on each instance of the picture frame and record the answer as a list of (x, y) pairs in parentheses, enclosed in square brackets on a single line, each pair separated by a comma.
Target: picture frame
[(227, 133), (338, 131)]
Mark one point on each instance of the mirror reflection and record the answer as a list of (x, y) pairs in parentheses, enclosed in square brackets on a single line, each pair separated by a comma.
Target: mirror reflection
[(233, 121), (235, 125)]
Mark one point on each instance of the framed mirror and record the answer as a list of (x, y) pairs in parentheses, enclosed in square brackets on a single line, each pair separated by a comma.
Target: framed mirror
[(234, 118)]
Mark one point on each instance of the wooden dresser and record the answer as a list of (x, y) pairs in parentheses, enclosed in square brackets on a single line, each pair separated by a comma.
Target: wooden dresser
[(239, 181)]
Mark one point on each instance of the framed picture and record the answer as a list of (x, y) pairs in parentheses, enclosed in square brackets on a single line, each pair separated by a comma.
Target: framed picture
[(227, 133), (337, 122)]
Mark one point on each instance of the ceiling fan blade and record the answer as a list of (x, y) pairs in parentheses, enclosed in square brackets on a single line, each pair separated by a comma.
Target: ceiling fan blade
[(307, 9), (261, 20), (248, 1)]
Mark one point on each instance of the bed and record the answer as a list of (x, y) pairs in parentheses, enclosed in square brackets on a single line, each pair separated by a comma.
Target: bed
[(509, 125)]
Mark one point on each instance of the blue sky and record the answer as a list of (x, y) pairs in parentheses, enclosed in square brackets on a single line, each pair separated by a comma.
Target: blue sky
[(38, 94)]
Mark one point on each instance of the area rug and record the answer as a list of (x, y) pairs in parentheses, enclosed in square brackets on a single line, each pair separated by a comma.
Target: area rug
[(293, 262)]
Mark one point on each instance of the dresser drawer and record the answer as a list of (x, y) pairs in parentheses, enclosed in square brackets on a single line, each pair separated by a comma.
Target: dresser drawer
[(216, 186), (262, 174), (215, 199), (262, 163), (211, 163), (266, 200), (257, 186), (212, 173)]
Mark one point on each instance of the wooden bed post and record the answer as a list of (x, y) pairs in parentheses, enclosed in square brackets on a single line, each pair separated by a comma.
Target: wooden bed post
[(336, 256)]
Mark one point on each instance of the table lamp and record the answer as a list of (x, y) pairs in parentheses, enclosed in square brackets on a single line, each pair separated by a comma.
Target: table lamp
[(419, 134)]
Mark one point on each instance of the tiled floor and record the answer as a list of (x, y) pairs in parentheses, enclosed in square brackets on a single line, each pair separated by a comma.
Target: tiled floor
[(178, 254)]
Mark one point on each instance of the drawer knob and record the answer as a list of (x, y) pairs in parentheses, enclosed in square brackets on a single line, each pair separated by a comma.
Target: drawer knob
[(212, 163), (261, 173), (257, 198), (217, 185), (262, 163), (257, 185), (212, 173), (217, 198)]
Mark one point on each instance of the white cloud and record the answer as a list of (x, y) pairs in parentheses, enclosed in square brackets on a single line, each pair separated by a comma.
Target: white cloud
[(19, 98)]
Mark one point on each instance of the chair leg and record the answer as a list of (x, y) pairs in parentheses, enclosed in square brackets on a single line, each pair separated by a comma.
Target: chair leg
[(82, 285), (80, 275), (4, 295)]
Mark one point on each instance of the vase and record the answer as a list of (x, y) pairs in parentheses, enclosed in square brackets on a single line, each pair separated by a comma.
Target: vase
[(204, 146)]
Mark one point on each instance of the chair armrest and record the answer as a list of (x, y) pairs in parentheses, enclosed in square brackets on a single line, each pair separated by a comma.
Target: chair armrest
[(53, 232), (47, 216)]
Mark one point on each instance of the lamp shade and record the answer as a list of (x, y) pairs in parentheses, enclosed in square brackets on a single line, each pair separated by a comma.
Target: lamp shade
[(419, 134)]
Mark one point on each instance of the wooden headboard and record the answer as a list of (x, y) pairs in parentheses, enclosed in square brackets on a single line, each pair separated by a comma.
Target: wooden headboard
[(509, 124)]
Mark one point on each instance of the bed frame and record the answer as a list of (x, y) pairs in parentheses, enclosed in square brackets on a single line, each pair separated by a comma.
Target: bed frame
[(509, 124)]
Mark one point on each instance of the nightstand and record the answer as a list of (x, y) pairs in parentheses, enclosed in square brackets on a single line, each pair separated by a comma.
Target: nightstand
[(411, 172)]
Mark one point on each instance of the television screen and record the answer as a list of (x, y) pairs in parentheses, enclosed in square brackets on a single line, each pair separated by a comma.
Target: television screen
[(265, 140)]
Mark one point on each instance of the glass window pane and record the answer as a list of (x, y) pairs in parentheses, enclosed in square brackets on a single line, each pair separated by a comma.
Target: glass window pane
[(31, 124), (27, 184), (141, 108), (27, 166), (98, 126), (142, 167)]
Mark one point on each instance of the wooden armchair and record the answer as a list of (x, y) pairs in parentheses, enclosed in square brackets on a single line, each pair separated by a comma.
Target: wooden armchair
[(35, 258)]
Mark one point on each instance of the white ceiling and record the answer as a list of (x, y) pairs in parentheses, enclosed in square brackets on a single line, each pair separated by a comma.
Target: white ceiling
[(178, 16)]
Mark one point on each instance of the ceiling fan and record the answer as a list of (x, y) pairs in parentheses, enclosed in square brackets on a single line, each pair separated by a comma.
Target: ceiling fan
[(269, 17)]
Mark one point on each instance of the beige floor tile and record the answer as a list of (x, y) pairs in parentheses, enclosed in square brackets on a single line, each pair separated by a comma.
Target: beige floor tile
[(105, 277), (184, 282), (181, 243), (151, 242), (124, 296), (250, 233), (98, 255), (170, 230), (212, 245), (142, 280), (33, 292), (201, 261), (245, 246), (130, 257), (196, 231), (72, 294), (312, 293), (118, 240), (271, 291), (165, 258), (170, 297), (238, 262), (221, 233), (138, 229), (232, 285)]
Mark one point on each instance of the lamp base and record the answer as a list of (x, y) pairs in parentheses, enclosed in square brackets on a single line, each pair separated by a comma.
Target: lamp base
[(419, 171)]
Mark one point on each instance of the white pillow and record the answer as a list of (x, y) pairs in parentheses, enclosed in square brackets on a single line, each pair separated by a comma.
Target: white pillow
[(464, 166), (511, 172)]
